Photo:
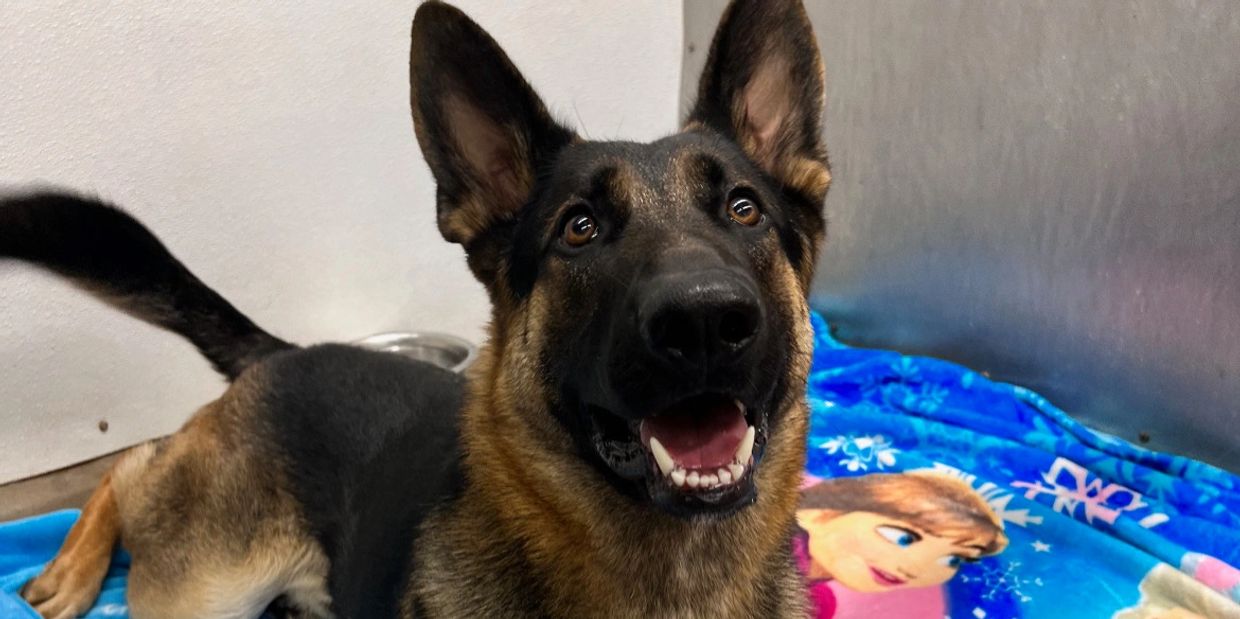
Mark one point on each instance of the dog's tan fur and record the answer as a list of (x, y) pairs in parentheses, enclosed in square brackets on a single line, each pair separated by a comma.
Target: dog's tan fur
[(69, 584), (206, 519)]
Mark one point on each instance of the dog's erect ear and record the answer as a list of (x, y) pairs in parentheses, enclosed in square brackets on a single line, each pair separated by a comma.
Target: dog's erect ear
[(483, 130), (763, 87)]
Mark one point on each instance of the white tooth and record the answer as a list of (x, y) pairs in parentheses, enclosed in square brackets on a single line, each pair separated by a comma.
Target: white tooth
[(710, 481), (661, 457), (738, 470), (725, 476), (741, 406), (746, 449), (678, 477), (693, 480)]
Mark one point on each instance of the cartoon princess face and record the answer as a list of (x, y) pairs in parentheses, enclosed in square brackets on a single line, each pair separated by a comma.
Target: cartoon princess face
[(885, 531), (869, 552)]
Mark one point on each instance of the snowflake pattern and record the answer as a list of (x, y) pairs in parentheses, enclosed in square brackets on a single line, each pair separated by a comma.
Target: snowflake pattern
[(1073, 486), (998, 580), (862, 452)]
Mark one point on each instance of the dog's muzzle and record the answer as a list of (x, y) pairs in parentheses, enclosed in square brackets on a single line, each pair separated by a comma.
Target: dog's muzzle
[(686, 414)]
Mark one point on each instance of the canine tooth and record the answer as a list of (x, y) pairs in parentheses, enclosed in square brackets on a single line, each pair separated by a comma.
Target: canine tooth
[(661, 457), (746, 449), (678, 477), (737, 470), (693, 479), (725, 476)]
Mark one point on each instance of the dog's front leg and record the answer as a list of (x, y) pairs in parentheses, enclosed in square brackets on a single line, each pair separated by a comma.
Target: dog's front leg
[(69, 584)]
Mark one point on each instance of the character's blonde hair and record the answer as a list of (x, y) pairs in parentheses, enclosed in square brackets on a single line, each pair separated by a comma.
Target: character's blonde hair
[(936, 503), (1168, 593)]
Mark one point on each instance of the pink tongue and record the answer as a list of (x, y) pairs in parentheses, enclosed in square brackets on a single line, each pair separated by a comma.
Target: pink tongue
[(700, 434)]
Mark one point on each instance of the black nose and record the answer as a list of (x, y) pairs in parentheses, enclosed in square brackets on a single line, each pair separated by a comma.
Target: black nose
[(696, 320)]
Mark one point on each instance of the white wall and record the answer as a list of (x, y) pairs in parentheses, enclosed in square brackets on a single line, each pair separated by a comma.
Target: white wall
[(270, 146)]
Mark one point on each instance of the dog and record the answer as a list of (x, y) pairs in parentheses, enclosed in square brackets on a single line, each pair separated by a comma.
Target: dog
[(631, 439)]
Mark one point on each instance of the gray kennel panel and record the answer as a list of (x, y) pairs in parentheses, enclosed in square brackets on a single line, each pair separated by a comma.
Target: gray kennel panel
[(1046, 190)]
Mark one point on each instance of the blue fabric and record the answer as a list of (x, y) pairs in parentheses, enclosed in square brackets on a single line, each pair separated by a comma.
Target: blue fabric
[(1088, 515), (26, 545)]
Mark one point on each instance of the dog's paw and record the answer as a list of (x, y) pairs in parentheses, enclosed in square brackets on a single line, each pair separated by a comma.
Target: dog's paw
[(64, 590)]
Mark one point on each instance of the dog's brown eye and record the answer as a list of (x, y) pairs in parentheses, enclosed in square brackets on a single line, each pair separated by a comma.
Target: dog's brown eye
[(580, 229), (744, 211)]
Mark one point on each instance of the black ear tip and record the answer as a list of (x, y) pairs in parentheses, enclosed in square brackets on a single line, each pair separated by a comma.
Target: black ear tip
[(434, 9), (440, 28), (746, 12), (434, 15), (776, 6)]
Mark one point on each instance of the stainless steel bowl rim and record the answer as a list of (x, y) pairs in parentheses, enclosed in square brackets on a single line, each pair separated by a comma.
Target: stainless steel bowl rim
[(428, 338)]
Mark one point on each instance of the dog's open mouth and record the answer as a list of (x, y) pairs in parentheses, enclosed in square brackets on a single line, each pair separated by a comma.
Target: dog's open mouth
[(695, 455), (701, 443)]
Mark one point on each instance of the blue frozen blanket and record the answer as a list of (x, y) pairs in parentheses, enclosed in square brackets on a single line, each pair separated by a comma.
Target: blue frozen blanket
[(941, 467), (934, 492)]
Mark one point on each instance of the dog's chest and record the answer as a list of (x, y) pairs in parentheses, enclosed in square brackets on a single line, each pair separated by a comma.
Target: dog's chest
[(461, 571)]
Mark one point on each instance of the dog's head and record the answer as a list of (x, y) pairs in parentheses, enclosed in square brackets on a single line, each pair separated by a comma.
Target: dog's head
[(649, 299)]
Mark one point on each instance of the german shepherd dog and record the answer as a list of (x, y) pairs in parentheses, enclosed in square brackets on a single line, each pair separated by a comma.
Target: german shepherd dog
[(630, 442)]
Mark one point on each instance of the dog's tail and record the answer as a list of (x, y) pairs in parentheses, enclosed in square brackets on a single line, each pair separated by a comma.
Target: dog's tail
[(107, 253)]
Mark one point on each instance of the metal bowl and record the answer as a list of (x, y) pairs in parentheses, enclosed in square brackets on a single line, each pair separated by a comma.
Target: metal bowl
[(446, 351)]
